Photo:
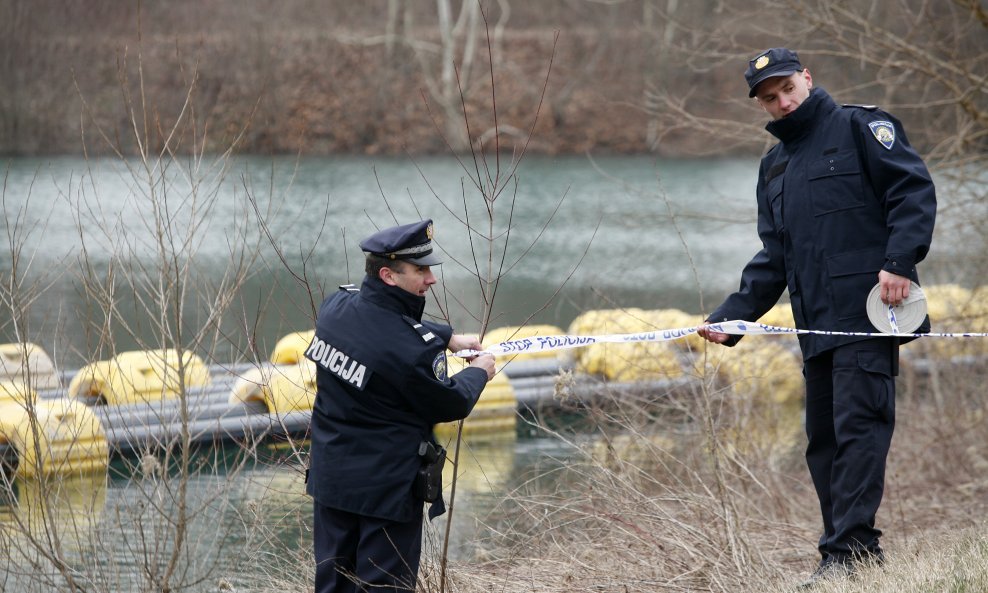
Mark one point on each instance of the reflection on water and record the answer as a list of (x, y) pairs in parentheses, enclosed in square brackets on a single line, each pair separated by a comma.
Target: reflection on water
[(69, 505), (43, 516), (484, 471), (249, 524)]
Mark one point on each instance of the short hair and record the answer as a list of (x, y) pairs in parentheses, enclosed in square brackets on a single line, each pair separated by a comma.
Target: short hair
[(374, 263)]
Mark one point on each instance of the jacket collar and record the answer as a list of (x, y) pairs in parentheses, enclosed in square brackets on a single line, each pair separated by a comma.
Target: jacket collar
[(392, 298), (802, 120)]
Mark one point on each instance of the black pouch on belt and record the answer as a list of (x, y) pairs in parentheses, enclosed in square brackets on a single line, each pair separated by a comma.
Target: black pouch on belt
[(429, 480)]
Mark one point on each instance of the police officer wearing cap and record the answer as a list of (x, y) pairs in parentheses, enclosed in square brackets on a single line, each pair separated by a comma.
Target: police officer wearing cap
[(844, 202), (382, 386)]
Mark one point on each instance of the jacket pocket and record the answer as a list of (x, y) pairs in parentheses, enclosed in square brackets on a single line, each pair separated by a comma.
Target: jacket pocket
[(852, 276), (835, 183)]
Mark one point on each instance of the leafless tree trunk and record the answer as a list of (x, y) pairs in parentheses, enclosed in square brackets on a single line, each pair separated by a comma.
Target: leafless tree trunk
[(446, 86), (659, 43)]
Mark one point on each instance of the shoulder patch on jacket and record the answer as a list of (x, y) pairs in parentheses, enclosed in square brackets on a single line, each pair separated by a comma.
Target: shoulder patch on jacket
[(426, 333), (439, 368), (884, 132)]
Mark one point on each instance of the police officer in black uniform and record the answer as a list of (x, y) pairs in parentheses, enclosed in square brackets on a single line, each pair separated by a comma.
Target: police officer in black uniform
[(844, 202), (382, 386)]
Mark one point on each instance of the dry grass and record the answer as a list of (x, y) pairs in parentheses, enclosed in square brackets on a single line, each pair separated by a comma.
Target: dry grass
[(702, 489), (690, 502)]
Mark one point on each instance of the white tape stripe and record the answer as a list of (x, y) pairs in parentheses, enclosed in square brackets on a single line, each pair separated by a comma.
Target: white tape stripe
[(565, 342), (892, 321)]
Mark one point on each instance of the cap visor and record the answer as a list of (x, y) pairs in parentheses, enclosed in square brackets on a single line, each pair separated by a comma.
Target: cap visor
[(754, 87), (426, 260)]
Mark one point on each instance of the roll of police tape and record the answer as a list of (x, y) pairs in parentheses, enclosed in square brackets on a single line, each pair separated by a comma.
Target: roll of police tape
[(736, 327), (902, 318)]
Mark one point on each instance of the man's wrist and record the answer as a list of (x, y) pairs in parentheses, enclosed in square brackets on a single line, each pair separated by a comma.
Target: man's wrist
[(899, 265)]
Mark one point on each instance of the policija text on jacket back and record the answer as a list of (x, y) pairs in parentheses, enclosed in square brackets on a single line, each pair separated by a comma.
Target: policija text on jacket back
[(382, 384)]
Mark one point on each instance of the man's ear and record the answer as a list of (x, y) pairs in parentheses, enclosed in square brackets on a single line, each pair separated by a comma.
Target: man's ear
[(387, 275)]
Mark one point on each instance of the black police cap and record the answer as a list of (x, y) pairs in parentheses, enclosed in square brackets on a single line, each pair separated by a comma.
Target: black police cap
[(408, 242), (777, 61)]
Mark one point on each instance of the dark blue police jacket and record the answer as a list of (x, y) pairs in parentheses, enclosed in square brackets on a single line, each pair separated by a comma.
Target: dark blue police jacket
[(382, 386), (841, 197)]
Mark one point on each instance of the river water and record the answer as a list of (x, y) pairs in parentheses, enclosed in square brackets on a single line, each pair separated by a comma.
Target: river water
[(573, 234), (584, 234)]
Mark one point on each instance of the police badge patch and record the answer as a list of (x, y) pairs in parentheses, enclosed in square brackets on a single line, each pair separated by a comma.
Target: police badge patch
[(439, 366), (883, 132)]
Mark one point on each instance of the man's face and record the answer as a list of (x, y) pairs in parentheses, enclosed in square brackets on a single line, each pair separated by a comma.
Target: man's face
[(410, 278), (781, 95)]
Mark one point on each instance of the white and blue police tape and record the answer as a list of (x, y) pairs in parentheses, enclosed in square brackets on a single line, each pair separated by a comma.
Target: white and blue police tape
[(737, 327), (565, 342), (902, 318)]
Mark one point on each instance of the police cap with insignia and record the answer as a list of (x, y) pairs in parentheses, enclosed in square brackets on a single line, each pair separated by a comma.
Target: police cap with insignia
[(408, 242), (777, 61)]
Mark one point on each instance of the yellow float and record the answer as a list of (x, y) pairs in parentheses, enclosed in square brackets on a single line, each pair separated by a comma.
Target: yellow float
[(29, 364), (596, 321), (675, 319), (279, 388), (760, 367), (953, 308), (764, 380), (291, 348), (139, 376), (636, 361), (50, 436)]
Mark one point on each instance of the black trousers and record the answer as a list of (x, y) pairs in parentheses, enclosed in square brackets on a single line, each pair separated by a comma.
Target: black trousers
[(850, 416), (359, 553)]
